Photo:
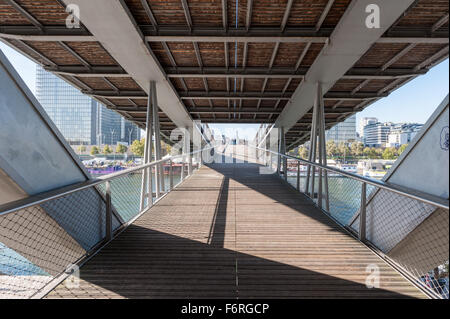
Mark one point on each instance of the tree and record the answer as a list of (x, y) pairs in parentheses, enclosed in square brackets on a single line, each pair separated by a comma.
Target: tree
[(357, 149), (388, 153), (303, 152), (94, 150), (331, 148), (167, 147), (137, 147), (81, 149), (107, 149), (371, 152), (402, 149), (343, 149), (121, 149)]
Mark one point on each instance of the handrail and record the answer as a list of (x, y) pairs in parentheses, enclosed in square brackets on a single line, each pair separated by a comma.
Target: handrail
[(44, 197), (401, 190)]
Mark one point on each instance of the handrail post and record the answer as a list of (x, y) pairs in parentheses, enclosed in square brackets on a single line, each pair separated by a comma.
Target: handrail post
[(182, 168), (150, 186), (362, 213), (108, 219), (319, 191), (189, 165), (170, 175), (298, 175)]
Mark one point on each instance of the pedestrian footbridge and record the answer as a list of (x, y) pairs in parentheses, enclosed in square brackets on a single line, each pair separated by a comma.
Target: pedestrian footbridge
[(228, 230), (256, 221)]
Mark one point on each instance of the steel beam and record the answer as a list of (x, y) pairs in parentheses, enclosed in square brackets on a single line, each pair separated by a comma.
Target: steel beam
[(441, 53), (324, 14), (123, 41), (149, 13), (269, 95), (26, 14), (396, 57), (262, 72), (216, 110), (417, 40), (254, 34), (197, 54), (187, 13), (351, 39), (36, 52), (439, 23), (69, 36), (286, 14), (217, 38), (75, 54), (225, 14), (274, 54), (169, 54), (248, 19), (239, 111)]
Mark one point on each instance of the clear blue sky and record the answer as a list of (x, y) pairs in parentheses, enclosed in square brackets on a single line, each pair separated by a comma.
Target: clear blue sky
[(414, 102)]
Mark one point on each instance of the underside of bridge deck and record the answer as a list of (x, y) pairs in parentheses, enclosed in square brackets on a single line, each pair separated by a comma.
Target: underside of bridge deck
[(227, 61), (230, 232)]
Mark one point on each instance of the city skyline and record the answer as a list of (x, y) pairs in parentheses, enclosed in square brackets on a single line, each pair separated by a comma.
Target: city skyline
[(81, 119)]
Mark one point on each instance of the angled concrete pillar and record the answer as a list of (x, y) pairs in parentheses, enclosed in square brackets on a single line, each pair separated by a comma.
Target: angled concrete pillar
[(159, 173), (317, 151), (146, 184)]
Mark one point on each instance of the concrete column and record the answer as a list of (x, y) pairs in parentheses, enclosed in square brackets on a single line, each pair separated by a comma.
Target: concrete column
[(146, 184), (159, 174)]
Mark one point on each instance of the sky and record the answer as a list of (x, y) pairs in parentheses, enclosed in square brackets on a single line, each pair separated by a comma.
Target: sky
[(413, 102)]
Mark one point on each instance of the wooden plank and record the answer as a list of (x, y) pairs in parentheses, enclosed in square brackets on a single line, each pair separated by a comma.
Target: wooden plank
[(230, 232)]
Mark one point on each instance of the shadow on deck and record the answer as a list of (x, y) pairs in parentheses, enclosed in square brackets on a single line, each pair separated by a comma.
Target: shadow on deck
[(229, 232)]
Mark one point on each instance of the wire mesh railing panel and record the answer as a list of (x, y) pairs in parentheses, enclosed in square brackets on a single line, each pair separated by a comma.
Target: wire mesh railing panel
[(126, 195), (40, 242), (406, 227), (33, 249), (390, 217), (344, 196), (83, 215), (415, 235)]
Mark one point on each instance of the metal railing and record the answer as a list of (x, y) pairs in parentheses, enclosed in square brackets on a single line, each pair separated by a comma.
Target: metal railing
[(408, 228), (44, 238)]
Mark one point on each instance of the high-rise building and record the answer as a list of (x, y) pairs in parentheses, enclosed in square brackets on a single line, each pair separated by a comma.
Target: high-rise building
[(363, 122), (403, 133), (81, 119), (376, 134), (343, 132)]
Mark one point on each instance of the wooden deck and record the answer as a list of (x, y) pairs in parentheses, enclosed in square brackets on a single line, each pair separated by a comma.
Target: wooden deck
[(229, 232)]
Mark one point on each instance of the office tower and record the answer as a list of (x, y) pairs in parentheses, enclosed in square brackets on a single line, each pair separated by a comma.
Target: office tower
[(343, 132), (376, 134), (81, 119), (363, 122)]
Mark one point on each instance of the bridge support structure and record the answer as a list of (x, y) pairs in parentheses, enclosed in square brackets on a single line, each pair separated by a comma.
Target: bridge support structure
[(147, 173), (159, 173), (152, 135), (281, 150), (318, 152)]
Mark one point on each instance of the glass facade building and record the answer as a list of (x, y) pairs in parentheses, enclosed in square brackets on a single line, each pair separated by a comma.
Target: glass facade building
[(376, 134), (343, 132), (81, 119)]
